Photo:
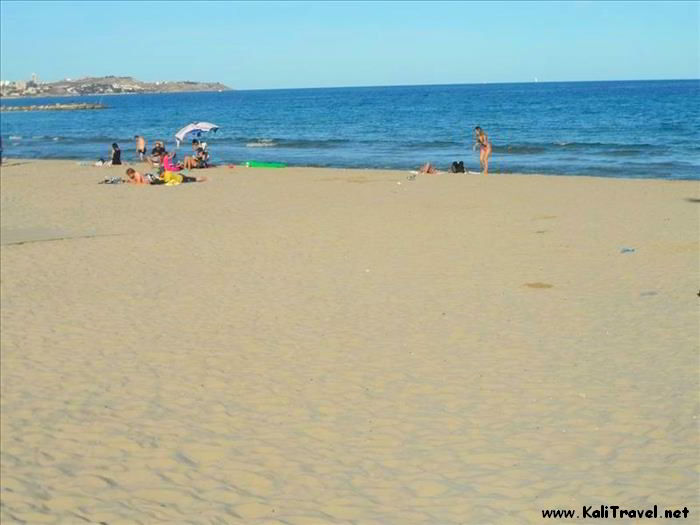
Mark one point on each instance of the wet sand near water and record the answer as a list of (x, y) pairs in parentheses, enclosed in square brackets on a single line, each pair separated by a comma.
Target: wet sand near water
[(326, 346)]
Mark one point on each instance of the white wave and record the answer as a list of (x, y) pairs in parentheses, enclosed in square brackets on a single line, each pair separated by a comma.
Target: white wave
[(15, 137), (264, 143)]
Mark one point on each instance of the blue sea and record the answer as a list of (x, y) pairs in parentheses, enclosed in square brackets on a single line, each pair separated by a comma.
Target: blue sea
[(632, 129)]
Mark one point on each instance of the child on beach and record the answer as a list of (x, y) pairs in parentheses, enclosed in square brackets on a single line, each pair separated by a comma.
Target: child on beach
[(482, 140), (168, 161), (171, 174), (134, 177)]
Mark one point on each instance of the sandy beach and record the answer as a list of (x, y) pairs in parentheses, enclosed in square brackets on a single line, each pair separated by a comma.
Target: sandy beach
[(324, 346)]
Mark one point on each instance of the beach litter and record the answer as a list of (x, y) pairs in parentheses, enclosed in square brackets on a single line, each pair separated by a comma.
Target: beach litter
[(627, 250)]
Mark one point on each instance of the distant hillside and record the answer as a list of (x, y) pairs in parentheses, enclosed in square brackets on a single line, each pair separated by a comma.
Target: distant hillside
[(106, 85)]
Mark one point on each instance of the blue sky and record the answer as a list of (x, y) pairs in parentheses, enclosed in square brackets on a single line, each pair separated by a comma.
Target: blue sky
[(254, 45)]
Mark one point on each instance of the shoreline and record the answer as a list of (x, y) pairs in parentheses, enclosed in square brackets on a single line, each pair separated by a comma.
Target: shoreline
[(407, 171)]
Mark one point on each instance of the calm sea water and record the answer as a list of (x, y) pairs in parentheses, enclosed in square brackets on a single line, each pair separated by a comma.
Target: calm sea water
[(640, 129)]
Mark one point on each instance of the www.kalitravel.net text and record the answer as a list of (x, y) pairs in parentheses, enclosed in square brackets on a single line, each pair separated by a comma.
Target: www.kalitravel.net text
[(615, 511)]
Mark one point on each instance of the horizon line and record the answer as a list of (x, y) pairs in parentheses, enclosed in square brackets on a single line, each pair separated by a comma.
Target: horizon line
[(472, 84), (230, 89)]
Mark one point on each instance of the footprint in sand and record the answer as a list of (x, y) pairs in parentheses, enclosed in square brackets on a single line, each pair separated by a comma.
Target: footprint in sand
[(539, 285)]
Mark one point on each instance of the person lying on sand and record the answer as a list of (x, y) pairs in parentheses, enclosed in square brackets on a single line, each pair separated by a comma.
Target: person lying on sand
[(134, 177), (428, 168)]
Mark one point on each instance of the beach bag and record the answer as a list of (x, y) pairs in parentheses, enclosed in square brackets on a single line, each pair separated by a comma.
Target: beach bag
[(457, 167)]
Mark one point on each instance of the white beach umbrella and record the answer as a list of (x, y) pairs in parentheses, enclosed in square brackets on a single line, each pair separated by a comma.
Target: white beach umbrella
[(196, 128)]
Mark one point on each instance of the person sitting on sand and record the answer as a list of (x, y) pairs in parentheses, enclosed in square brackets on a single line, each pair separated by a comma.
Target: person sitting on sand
[(157, 153), (171, 174), (169, 162), (116, 158), (141, 147), (482, 140), (198, 159)]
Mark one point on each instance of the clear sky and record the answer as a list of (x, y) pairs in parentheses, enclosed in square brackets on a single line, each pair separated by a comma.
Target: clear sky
[(253, 45)]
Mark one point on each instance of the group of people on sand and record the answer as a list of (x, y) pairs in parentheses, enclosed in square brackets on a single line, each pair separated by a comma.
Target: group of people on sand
[(481, 140), (168, 170), (198, 159)]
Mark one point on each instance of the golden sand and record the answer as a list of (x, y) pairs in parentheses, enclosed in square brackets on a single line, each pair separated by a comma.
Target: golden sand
[(317, 346)]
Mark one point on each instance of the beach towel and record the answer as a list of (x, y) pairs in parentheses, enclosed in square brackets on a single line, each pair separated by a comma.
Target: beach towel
[(171, 179), (112, 180)]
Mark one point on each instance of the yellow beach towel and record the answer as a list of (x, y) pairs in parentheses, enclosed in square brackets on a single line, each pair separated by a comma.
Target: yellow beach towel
[(171, 178)]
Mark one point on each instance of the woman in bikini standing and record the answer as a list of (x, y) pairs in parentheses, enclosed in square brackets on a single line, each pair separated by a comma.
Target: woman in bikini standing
[(482, 140)]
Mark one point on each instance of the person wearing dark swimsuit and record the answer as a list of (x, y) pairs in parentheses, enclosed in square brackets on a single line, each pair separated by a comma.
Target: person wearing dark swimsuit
[(116, 155)]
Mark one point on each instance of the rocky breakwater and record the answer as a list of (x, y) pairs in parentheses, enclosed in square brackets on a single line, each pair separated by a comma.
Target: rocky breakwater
[(53, 107)]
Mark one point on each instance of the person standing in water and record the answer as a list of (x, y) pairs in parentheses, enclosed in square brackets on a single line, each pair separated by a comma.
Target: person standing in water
[(482, 140), (141, 147)]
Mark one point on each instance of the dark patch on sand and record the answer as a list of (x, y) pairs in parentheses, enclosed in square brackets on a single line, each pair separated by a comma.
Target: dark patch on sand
[(539, 285)]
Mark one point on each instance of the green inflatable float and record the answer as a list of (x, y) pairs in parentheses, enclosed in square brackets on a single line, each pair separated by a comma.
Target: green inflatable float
[(258, 164)]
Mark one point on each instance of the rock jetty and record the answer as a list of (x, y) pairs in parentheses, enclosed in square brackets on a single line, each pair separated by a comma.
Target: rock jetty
[(53, 107)]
